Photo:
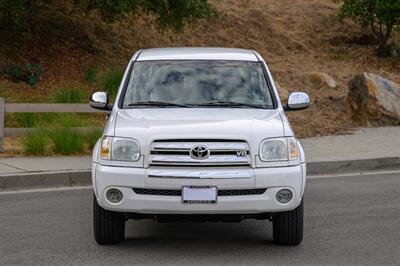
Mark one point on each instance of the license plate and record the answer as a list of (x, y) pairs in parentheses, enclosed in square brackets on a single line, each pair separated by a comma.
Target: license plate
[(199, 194)]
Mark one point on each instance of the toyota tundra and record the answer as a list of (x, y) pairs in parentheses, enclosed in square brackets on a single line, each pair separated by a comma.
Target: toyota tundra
[(198, 134)]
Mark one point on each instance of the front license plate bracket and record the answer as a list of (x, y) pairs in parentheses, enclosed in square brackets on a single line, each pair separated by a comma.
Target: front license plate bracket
[(199, 194)]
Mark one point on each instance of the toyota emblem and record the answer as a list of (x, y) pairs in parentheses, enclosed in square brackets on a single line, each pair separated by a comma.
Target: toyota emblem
[(200, 152)]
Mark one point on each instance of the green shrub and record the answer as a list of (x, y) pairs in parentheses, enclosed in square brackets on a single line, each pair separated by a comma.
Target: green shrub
[(70, 120), (30, 73), (26, 119), (70, 95), (91, 74), (112, 80), (50, 119), (92, 137), (12, 12), (59, 120), (169, 13), (65, 120), (35, 72), (382, 16), (66, 141), (35, 142), (13, 72)]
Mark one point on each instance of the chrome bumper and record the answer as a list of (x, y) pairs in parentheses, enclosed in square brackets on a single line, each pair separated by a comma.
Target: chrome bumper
[(125, 179)]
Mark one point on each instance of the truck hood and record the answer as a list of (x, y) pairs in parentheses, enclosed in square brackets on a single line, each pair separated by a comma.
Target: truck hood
[(146, 125)]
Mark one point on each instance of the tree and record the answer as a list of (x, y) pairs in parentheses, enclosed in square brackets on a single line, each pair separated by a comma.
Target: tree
[(11, 12), (170, 13), (382, 16)]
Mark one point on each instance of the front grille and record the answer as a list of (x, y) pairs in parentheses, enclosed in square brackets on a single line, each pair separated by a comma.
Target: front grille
[(242, 192), (177, 192), (158, 192), (178, 152)]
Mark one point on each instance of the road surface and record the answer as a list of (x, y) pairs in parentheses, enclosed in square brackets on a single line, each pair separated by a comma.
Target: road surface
[(348, 220)]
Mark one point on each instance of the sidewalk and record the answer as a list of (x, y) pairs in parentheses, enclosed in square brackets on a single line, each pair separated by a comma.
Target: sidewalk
[(367, 143), (366, 149)]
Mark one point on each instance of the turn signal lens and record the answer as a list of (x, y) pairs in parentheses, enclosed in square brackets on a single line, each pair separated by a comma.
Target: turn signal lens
[(293, 149), (106, 148)]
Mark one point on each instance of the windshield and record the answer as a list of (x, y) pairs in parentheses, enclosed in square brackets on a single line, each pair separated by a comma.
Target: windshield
[(198, 83)]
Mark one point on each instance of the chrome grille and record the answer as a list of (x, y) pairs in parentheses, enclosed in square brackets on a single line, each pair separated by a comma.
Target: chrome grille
[(178, 153)]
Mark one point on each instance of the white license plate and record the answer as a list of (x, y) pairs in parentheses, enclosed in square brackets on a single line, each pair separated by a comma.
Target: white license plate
[(199, 194)]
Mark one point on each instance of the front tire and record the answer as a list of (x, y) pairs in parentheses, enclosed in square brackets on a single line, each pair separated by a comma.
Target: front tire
[(288, 226), (108, 226)]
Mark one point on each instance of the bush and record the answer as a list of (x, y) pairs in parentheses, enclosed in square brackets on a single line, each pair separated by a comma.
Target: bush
[(47, 119), (382, 16), (35, 142), (170, 13), (35, 72), (30, 73), (70, 95), (92, 137), (26, 119), (69, 120), (12, 12), (111, 81), (91, 74), (67, 141)]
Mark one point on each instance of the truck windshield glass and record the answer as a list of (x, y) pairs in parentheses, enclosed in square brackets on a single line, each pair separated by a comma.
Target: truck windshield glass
[(197, 84)]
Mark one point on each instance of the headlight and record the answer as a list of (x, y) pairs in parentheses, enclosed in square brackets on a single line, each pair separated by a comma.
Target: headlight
[(119, 149), (279, 149)]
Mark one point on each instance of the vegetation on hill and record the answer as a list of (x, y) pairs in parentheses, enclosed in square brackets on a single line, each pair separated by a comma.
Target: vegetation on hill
[(382, 16), (75, 47), (170, 13)]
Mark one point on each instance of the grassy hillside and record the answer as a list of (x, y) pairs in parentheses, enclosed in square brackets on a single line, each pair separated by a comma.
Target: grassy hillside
[(295, 37)]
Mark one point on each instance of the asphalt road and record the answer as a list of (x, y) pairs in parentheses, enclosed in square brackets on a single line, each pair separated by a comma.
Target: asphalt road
[(348, 220)]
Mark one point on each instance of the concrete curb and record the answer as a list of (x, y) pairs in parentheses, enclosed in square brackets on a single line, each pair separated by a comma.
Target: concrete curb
[(69, 178), (45, 179), (353, 166)]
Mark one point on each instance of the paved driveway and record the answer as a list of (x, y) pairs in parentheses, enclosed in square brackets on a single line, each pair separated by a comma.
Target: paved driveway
[(348, 220)]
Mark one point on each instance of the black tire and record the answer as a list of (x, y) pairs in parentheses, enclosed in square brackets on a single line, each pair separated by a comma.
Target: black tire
[(108, 226), (288, 226)]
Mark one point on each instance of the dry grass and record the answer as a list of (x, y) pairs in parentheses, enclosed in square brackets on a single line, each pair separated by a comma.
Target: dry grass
[(294, 36)]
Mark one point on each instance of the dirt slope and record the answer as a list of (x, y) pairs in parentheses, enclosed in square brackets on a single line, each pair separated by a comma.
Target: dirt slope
[(295, 37)]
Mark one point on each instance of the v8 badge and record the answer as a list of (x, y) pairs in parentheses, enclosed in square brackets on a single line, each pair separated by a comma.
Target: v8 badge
[(241, 153)]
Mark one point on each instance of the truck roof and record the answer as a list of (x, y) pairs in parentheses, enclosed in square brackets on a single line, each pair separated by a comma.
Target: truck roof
[(197, 53)]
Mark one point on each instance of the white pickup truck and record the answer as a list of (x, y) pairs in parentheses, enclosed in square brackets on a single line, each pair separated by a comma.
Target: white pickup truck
[(198, 134)]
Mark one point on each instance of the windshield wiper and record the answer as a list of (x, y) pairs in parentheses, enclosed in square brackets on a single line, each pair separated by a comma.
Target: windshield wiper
[(229, 103), (158, 103)]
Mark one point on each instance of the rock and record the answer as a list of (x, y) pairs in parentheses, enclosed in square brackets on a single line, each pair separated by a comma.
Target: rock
[(373, 98), (317, 80), (283, 93)]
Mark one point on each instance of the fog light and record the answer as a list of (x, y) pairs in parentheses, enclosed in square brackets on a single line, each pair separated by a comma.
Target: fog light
[(284, 196), (114, 195)]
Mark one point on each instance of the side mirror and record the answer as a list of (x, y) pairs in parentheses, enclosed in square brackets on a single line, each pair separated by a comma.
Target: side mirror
[(297, 101), (99, 100)]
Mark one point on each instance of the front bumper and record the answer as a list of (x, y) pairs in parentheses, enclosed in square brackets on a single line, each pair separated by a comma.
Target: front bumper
[(124, 178)]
